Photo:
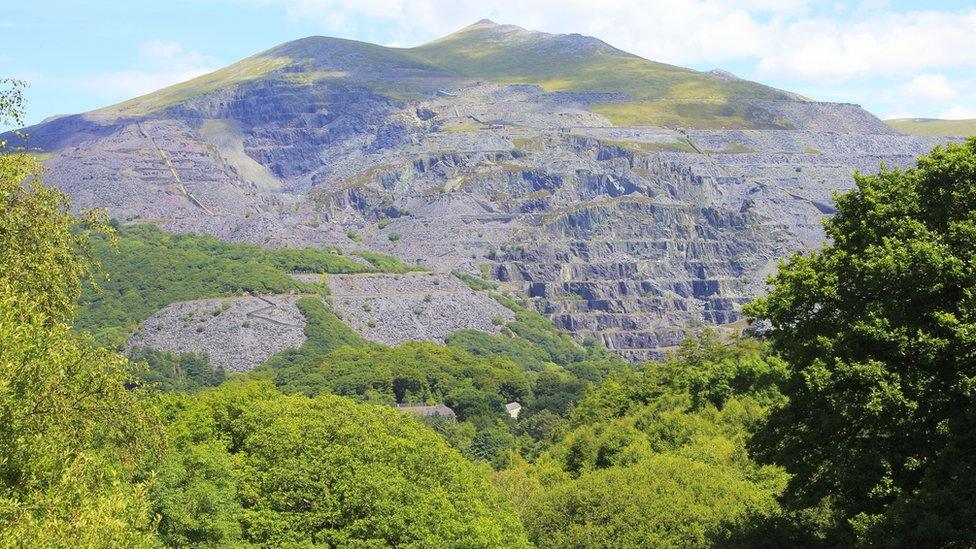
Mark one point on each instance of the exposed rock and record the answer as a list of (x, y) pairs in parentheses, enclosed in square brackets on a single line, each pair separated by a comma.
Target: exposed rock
[(625, 233), (392, 309), (236, 333)]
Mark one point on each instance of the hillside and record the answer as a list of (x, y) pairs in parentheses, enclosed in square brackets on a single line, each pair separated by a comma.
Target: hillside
[(624, 198), (933, 126), (639, 91)]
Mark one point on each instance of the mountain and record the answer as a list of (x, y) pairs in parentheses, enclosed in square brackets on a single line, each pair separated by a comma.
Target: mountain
[(626, 198), (933, 126)]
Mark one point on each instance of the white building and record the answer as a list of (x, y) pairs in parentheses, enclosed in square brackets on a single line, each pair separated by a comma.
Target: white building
[(513, 409)]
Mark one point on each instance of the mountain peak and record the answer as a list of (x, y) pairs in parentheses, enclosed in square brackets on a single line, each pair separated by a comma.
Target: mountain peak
[(486, 23)]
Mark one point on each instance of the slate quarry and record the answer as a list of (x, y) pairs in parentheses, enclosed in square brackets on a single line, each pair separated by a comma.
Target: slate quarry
[(624, 232)]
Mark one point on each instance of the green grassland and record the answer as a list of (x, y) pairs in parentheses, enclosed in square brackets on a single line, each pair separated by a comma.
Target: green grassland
[(933, 126), (659, 94)]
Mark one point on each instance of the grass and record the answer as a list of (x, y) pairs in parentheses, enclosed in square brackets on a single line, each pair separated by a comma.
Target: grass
[(473, 282), (657, 94), (245, 70), (680, 145), (527, 143), (460, 127), (660, 94), (933, 126)]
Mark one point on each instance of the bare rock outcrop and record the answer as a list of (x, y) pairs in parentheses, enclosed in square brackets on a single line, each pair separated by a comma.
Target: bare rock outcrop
[(236, 333), (392, 309)]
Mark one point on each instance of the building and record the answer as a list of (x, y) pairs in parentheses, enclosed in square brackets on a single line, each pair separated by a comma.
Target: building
[(513, 409)]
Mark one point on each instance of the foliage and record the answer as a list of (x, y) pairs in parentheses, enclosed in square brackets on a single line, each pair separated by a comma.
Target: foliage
[(878, 328), (147, 269), (413, 372), (73, 440), (324, 333), (658, 457), (169, 372), (42, 256), (326, 471), (663, 501), (475, 283), (387, 264)]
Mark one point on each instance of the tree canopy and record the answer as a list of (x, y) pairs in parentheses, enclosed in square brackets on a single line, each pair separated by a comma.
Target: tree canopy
[(879, 329), (73, 441), (324, 471)]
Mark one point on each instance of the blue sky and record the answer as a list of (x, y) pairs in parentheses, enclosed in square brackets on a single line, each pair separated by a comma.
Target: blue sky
[(896, 58)]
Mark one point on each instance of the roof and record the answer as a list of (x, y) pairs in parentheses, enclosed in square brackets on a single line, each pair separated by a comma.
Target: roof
[(513, 406)]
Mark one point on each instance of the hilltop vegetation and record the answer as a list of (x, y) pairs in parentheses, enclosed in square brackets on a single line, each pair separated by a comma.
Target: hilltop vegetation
[(148, 269), (660, 94), (653, 94), (933, 126)]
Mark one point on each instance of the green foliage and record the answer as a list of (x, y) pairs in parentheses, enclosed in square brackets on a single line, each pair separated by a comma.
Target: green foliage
[(147, 269), (324, 333), (323, 471), (171, 372), (195, 493), (662, 501), (73, 440), (476, 388), (657, 458), (878, 328), (475, 283), (43, 248), (387, 264), (534, 342)]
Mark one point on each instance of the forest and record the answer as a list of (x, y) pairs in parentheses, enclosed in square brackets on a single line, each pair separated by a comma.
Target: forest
[(845, 417)]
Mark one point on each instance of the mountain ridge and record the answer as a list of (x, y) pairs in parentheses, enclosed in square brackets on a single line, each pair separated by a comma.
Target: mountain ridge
[(506, 54), (624, 198)]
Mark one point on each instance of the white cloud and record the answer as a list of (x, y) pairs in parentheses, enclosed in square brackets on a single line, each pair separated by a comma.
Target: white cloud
[(929, 86), (958, 112), (160, 63), (887, 44)]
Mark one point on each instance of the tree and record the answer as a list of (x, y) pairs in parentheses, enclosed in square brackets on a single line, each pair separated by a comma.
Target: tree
[(879, 329), (658, 457), (73, 440), (662, 501), (322, 470)]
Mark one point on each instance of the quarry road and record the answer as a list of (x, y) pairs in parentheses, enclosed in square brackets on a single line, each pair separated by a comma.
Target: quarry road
[(257, 313)]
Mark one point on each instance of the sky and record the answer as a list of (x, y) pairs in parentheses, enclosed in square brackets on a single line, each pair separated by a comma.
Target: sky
[(896, 58)]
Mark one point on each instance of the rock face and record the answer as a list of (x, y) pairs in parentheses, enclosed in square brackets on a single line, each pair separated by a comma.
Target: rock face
[(391, 309), (625, 232), (236, 333)]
